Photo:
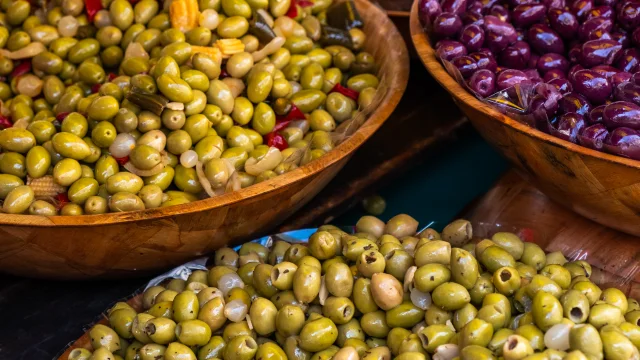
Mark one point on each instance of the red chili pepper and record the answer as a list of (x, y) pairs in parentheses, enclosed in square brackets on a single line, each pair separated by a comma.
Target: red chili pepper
[(95, 88), (293, 10), (92, 7), (5, 122), (305, 3), (527, 234), (62, 116), (61, 200), (112, 76), (122, 160), (345, 91), (276, 140), (223, 74), (23, 68), (281, 124)]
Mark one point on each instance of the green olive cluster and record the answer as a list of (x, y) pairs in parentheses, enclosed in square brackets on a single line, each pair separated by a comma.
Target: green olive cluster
[(383, 292), (125, 111)]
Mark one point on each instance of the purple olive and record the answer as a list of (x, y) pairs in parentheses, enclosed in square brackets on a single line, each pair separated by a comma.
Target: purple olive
[(553, 74), (563, 85), (449, 49), (496, 42), (549, 92), (621, 38), (428, 10), (618, 134), (568, 127), (629, 14), (513, 3), (636, 78), (575, 53), (596, 116), (599, 52), (628, 92), (484, 61), (495, 25), (593, 85), (606, 71), (554, 4), (500, 69), (469, 18), (533, 61), (635, 37), (604, 11), (447, 25), (472, 36), (564, 22), (466, 65), (527, 15), (552, 61), (516, 56), (581, 8), (475, 7), (454, 6), (624, 142), (629, 61), (573, 70), (619, 78), (487, 5), (622, 113), (521, 34), (544, 40), (593, 136), (595, 28), (533, 75), (510, 78), (500, 12), (483, 83), (610, 3), (574, 102)]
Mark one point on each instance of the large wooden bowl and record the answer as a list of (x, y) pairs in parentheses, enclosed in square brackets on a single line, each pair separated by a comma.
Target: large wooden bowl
[(135, 243), (599, 186)]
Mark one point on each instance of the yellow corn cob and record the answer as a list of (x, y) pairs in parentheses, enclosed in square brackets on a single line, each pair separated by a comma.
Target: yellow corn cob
[(184, 14), (45, 186), (214, 52), (229, 47)]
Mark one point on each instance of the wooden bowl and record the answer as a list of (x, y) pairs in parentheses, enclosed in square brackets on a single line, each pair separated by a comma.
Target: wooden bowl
[(136, 243), (602, 187)]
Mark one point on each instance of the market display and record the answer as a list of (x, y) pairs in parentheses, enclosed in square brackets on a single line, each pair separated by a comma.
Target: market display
[(568, 68), (383, 292), (112, 106)]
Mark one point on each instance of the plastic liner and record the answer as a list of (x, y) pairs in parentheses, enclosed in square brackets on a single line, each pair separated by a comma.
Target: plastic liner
[(622, 279)]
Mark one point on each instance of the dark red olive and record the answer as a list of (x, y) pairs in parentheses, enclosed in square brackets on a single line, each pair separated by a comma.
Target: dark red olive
[(554, 4), (568, 127), (593, 85), (563, 85), (544, 40), (599, 52), (628, 91), (609, 3), (635, 37), (500, 69), (574, 102), (621, 38), (573, 70), (472, 37), (629, 14), (466, 65), (527, 15), (475, 7), (553, 74), (593, 29), (552, 61), (513, 3), (533, 61), (447, 25), (450, 49), (596, 116), (500, 12), (606, 71), (496, 42), (564, 22), (581, 8), (624, 142), (484, 61), (533, 75), (575, 53), (494, 25), (604, 11), (511, 77), (622, 113), (629, 60), (469, 18), (618, 134), (487, 5), (593, 136), (516, 56), (454, 6), (428, 10), (635, 79), (619, 78), (483, 83)]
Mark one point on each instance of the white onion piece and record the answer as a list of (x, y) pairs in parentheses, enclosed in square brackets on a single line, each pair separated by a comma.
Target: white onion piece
[(324, 292), (135, 50), (21, 124), (303, 125), (228, 282), (28, 51), (102, 19), (446, 352), (68, 26), (249, 323), (236, 310), (272, 158), (235, 85), (420, 299), (154, 138), (295, 87), (408, 278), (273, 46), (206, 185), (209, 19), (417, 328), (122, 145), (266, 16), (251, 257), (174, 105), (557, 337), (189, 159), (29, 84), (153, 171)]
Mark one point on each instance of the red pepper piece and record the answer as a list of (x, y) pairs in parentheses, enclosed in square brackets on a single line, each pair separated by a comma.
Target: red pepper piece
[(5, 122), (62, 116), (276, 140), (223, 74), (95, 88), (345, 91), (23, 68), (305, 3), (112, 76), (61, 200), (92, 7), (527, 234), (293, 10), (122, 160)]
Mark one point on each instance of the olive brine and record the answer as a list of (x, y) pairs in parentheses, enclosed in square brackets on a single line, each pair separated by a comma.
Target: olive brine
[(112, 105), (383, 292)]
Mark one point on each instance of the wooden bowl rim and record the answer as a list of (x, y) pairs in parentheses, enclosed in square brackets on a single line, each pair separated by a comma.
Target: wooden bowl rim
[(397, 86), (434, 66)]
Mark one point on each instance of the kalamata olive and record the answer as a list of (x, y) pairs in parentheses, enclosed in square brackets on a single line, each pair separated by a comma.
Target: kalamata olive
[(574, 102), (447, 24), (496, 42), (469, 18), (621, 38), (568, 127), (493, 24), (544, 40), (513, 3), (581, 8), (527, 15), (552, 61), (483, 82), (618, 134), (516, 56), (521, 35), (487, 5), (428, 10), (563, 22), (511, 77), (593, 136), (593, 85), (603, 11), (629, 60), (475, 7), (627, 92), (466, 65), (574, 69), (546, 97), (450, 49), (635, 37), (472, 37), (554, 4), (541, 113), (606, 71), (619, 78), (553, 74), (501, 13), (575, 52), (484, 61), (533, 61), (486, 51), (533, 75), (629, 14), (636, 78), (596, 116), (622, 113), (610, 3), (623, 141), (598, 52), (454, 6), (563, 85), (590, 29)]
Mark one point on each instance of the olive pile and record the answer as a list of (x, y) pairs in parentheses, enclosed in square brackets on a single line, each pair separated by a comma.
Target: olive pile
[(111, 106), (385, 291)]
